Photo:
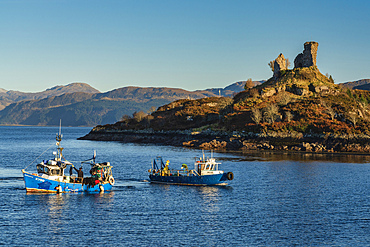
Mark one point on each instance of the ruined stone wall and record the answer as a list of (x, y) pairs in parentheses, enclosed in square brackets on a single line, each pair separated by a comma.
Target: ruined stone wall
[(308, 57), (279, 64)]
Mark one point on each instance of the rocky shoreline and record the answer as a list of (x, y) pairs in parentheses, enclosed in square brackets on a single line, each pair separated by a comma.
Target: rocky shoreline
[(238, 141)]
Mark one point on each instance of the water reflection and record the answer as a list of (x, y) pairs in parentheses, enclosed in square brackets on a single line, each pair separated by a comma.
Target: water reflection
[(57, 202), (211, 197), (299, 156)]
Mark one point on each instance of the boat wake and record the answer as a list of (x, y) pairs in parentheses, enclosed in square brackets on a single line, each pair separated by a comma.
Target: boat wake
[(11, 179)]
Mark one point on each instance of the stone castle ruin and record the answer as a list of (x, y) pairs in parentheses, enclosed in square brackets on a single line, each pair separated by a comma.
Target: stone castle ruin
[(305, 59), (308, 57), (279, 64), (303, 79)]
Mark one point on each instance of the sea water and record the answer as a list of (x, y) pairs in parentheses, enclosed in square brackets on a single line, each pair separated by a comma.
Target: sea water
[(275, 199)]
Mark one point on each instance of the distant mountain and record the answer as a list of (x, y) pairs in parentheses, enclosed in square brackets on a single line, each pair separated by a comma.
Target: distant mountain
[(76, 109), (8, 97), (149, 93), (78, 104), (54, 91), (363, 87), (363, 84), (230, 90)]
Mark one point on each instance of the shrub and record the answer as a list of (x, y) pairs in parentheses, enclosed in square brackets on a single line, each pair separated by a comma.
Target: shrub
[(256, 115), (270, 113)]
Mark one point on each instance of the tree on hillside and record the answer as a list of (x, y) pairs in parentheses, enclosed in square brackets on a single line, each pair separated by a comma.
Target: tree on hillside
[(151, 110), (139, 116), (271, 65), (249, 84), (271, 113), (329, 110), (256, 115), (125, 118), (329, 77), (225, 105), (353, 118)]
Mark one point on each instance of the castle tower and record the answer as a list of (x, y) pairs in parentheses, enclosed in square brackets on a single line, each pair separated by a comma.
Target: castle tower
[(308, 57)]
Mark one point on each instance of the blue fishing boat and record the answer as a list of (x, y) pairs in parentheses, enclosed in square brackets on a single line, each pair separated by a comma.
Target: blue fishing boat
[(205, 172), (50, 176)]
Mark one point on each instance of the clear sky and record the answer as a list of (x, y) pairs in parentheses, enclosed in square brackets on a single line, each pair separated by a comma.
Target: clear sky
[(167, 43)]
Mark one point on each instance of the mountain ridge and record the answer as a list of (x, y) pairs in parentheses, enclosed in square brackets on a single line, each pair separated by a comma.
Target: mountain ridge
[(356, 84), (8, 97), (85, 105), (73, 100)]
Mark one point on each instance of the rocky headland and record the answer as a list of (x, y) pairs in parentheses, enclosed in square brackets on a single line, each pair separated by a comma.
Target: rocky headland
[(296, 109), (237, 141)]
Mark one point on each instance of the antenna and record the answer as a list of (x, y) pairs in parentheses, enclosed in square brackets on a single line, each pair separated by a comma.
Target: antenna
[(60, 126), (59, 139), (59, 136)]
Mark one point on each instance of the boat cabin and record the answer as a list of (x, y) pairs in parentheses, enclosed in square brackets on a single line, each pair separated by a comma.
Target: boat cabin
[(207, 167), (49, 170), (52, 169)]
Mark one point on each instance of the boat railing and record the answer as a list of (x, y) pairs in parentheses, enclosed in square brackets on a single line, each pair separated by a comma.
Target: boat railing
[(183, 172), (174, 172)]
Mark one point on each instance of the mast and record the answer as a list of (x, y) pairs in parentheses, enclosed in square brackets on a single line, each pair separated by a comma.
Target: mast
[(58, 138)]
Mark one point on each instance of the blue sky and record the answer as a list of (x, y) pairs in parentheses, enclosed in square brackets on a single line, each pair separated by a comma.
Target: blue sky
[(183, 44)]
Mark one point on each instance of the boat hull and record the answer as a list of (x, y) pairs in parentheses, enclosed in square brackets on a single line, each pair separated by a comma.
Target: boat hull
[(216, 179), (38, 184)]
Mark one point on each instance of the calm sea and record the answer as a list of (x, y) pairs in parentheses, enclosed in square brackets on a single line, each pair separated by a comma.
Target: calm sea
[(274, 199)]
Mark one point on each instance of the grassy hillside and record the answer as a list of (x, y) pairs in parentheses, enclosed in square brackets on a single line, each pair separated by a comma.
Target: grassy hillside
[(299, 101)]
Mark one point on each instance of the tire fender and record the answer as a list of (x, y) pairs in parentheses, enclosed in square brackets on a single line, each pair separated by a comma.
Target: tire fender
[(230, 176), (111, 180)]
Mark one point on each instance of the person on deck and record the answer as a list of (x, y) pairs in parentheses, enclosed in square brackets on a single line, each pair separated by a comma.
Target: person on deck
[(166, 172), (80, 174)]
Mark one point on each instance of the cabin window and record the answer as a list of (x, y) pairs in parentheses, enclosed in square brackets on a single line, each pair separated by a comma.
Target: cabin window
[(55, 172), (40, 169)]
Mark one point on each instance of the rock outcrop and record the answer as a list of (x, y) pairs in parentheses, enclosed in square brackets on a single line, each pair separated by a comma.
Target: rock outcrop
[(279, 64), (289, 141), (308, 57)]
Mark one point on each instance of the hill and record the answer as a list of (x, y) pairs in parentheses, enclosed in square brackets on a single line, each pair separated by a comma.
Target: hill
[(88, 108), (315, 115), (230, 90), (148, 93), (78, 109), (363, 84), (8, 97), (297, 109)]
